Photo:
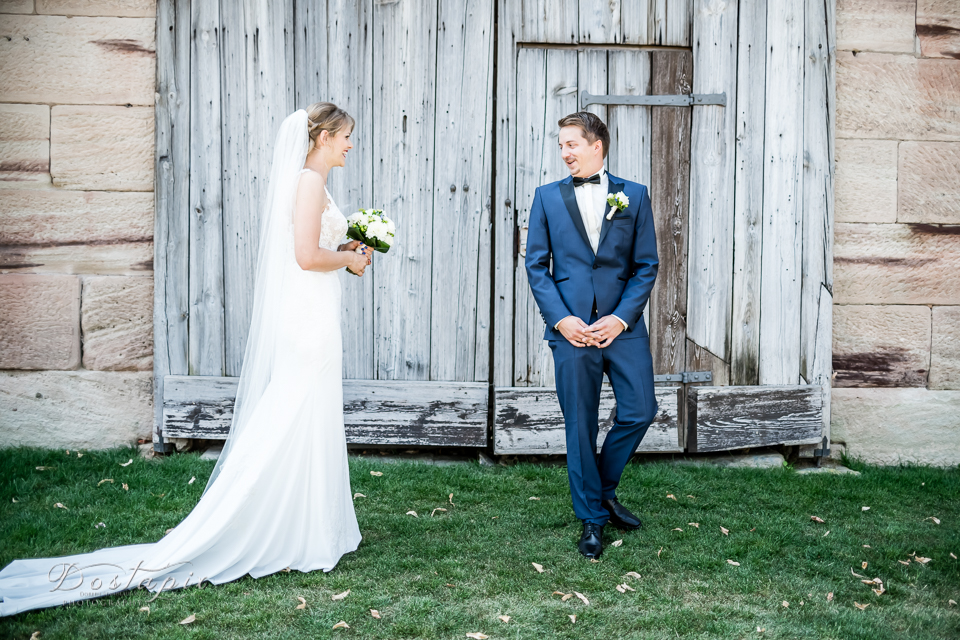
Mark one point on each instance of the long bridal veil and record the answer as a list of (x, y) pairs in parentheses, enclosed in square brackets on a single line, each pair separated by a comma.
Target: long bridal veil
[(276, 249), (279, 496)]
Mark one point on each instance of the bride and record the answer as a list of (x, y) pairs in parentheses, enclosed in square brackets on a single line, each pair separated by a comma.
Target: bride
[(279, 495)]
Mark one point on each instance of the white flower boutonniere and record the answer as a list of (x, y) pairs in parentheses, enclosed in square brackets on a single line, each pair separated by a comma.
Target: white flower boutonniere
[(617, 202)]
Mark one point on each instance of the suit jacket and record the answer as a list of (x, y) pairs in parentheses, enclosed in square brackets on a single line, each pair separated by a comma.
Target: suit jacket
[(618, 279)]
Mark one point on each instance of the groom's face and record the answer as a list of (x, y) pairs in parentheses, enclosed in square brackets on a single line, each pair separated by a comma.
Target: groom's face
[(582, 157)]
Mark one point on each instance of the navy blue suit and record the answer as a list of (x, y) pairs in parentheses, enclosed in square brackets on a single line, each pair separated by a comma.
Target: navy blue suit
[(616, 280)]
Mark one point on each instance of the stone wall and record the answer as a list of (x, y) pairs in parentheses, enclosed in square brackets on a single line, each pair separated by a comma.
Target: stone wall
[(76, 222), (896, 349)]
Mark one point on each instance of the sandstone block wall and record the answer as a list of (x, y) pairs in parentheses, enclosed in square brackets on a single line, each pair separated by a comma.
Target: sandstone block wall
[(896, 352), (77, 81)]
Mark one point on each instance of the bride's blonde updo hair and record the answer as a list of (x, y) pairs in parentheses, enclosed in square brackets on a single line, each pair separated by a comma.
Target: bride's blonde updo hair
[(326, 116)]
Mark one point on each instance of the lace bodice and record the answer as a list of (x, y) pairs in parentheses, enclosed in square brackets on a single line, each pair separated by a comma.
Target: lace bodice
[(333, 225)]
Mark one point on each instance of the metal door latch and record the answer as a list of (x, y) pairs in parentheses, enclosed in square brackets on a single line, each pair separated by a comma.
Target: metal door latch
[(685, 377), (679, 100)]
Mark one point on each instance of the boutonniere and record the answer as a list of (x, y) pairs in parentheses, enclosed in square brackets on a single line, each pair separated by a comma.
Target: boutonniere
[(617, 202)]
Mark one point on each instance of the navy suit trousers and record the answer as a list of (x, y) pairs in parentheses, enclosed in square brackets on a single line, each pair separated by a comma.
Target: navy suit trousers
[(579, 374)]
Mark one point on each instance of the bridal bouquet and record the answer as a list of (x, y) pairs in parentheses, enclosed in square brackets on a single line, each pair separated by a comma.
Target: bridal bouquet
[(372, 228)]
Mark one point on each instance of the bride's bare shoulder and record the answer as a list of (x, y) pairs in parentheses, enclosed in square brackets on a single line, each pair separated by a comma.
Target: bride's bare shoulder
[(311, 188)]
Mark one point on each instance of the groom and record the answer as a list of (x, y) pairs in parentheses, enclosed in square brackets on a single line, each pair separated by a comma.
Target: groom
[(604, 264)]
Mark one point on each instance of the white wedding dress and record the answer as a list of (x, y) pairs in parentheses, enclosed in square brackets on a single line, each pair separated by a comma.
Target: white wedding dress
[(281, 496)]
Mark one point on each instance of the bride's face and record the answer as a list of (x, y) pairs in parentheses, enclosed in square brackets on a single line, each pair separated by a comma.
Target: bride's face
[(336, 147)]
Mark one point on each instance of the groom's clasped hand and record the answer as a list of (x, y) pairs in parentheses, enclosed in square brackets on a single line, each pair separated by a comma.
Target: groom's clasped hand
[(599, 334)]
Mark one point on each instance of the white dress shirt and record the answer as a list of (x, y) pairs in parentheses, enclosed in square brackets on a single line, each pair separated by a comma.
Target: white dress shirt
[(592, 202)]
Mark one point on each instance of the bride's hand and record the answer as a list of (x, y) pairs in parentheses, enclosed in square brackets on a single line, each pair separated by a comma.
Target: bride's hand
[(349, 246), (358, 262)]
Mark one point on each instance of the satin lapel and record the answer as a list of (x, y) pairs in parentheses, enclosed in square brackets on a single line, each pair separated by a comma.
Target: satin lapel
[(570, 199), (612, 187)]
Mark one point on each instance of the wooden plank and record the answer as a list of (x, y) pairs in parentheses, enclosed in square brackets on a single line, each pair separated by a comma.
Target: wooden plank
[(599, 22), (709, 292), (823, 357), (528, 420), (669, 198), (403, 110), (311, 67), (375, 412), (461, 191), (592, 77), (347, 64), (818, 208), (656, 22), (547, 21), (629, 126), (509, 24), (723, 418), (748, 196), (257, 94), (548, 91), (505, 204), (938, 28), (172, 204), (781, 278), (206, 355), (635, 20)]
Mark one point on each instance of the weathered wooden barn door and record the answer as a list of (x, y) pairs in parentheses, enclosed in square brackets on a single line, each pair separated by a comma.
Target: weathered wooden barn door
[(417, 76), (742, 194)]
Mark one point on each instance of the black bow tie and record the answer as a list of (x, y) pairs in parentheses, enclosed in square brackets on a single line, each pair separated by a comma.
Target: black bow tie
[(594, 179)]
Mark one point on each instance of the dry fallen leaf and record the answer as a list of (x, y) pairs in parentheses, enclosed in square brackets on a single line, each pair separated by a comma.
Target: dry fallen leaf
[(826, 534), (694, 524), (736, 564), (437, 509), (863, 565), (616, 543), (538, 567), (100, 525), (906, 562), (633, 574), (126, 464), (935, 520), (566, 597), (190, 618), (340, 596), (726, 532), (192, 480), (341, 625), (677, 529), (830, 596), (126, 487), (952, 602), (412, 513), (168, 531), (623, 588), (378, 474), (533, 498), (880, 591), (59, 505), (15, 501), (786, 604), (671, 496), (303, 603), (761, 629), (594, 561), (573, 619), (374, 614), (951, 553), (864, 508), (477, 636), (874, 581), (451, 500), (816, 519), (504, 618), (921, 560), (691, 497), (79, 455), (866, 546), (35, 635), (860, 606), (358, 495), (659, 552), (104, 480), (582, 597), (855, 573), (147, 609), (285, 569), (45, 468)]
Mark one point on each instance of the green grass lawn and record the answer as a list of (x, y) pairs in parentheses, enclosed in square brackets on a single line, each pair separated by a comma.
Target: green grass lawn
[(455, 572)]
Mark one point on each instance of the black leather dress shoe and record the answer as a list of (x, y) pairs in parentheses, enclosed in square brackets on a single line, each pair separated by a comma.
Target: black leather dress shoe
[(591, 541), (620, 516)]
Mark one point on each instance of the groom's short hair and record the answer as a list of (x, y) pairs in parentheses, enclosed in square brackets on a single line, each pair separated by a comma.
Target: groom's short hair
[(593, 127)]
